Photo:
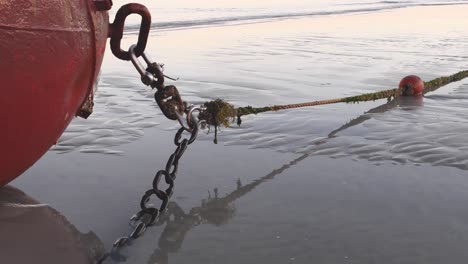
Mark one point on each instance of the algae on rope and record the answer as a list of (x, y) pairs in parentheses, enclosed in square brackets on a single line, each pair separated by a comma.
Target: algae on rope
[(216, 113), (442, 81), (220, 112)]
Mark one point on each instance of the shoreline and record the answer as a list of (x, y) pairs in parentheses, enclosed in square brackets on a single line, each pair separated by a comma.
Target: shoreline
[(430, 8)]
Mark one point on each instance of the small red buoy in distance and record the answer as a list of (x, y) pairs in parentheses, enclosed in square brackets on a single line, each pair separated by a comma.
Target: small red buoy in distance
[(411, 85)]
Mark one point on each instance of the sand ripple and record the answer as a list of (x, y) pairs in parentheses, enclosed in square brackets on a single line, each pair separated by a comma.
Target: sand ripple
[(119, 118)]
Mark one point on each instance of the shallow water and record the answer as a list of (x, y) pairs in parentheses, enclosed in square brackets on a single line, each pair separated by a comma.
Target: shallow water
[(377, 182)]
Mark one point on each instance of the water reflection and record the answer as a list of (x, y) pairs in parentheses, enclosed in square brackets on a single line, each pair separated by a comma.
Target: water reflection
[(45, 223), (398, 132), (36, 233), (406, 102), (217, 210), (214, 210)]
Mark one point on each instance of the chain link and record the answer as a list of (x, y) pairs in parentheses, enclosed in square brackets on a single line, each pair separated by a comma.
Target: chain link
[(117, 30), (152, 75), (148, 214), (173, 107)]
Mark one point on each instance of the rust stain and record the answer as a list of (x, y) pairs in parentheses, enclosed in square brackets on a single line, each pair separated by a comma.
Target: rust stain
[(47, 29), (34, 7), (68, 11)]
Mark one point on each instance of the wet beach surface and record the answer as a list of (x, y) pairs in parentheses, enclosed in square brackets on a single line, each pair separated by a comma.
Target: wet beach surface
[(377, 182)]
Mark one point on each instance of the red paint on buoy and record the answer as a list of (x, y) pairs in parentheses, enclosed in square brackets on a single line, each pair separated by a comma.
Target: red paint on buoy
[(50, 55), (411, 85)]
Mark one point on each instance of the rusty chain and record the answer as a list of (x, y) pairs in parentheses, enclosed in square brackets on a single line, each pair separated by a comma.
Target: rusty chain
[(172, 106), (149, 214), (117, 29)]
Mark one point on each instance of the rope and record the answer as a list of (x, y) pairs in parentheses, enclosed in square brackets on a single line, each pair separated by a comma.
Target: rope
[(351, 99), (220, 112)]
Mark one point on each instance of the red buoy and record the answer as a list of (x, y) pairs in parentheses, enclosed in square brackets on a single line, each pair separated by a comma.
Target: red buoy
[(411, 85), (50, 55)]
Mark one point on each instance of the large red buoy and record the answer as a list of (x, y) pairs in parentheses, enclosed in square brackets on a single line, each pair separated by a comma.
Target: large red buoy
[(411, 85), (50, 54)]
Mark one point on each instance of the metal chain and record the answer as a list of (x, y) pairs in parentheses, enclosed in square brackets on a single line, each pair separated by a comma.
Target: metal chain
[(148, 214), (172, 106), (152, 75)]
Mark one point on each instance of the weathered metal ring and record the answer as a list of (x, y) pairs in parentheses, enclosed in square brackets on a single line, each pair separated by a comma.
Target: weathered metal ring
[(191, 120), (157, 179), (172, 174), (183, 123), (193, 135), (138, 231), (152, 212), (170, 163), (181, 148), (194, 132), (147, 78), (117, 28), (160, 194)]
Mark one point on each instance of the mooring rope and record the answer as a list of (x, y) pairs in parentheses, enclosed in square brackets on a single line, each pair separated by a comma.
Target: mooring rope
[(219, 112)]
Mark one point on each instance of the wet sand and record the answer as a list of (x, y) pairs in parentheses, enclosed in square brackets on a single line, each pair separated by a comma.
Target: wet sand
[(292, 186)]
